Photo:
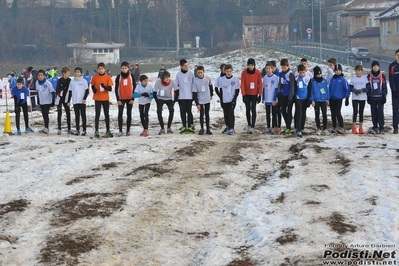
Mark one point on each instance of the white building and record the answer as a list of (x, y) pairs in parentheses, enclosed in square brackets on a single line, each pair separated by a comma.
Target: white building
[(108, 52)]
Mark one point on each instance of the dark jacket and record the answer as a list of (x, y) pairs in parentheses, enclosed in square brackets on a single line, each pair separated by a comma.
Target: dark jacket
[(394, 77), (62, 88), (377, 86)]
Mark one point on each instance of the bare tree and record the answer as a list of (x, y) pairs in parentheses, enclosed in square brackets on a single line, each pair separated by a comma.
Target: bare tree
[(163, 16)]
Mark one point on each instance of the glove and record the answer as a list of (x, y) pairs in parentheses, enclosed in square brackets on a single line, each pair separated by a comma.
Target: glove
[(108, 88), (364, 90), (357, 92), (346, 101), (258, 99), (384, 100), (369, 100), (145, 94), (234, 101)]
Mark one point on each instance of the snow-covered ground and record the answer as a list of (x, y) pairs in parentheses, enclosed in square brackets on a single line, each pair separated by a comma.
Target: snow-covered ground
[(197, 200)]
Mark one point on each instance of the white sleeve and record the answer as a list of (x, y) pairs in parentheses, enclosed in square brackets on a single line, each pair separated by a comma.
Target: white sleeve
[(156, 86)]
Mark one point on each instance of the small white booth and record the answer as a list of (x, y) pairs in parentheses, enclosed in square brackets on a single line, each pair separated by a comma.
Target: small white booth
[(107, 52)]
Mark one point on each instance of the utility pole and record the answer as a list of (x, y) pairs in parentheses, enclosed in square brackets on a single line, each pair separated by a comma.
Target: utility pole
[(252, 30), (128, 25), (312, 24), (177, 30), (320, 29), (110, 23)]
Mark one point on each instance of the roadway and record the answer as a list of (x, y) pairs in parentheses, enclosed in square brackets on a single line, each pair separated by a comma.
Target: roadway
[(342, 56)]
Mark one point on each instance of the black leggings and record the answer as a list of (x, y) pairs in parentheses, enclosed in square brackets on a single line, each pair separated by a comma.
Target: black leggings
[(18, 114), (278, 111), (286, 110), (228, 113), (300, 113), (129, 114), (335, 108), (67, 112), (271, 110), (358, 106), (186, 113), (323, 107), (80, 110), (250, 106), (97, 106), (204, 111), (143, 109), (45, 108), (170, 104)]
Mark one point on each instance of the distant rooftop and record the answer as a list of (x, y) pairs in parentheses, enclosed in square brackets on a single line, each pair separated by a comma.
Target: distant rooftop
[(94, 45), (391, 12), (365, 33), (270, 19), (369, 5)]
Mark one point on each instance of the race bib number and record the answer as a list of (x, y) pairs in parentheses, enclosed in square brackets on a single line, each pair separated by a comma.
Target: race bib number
[(300, 84), (252, 85), (22, 96), (322, 91), (101, 88), (375, 85), (125, 82), (161, 93), (203, 88)]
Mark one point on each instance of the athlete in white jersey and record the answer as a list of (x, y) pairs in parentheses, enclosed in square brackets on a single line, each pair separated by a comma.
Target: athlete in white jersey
[(184, 81)]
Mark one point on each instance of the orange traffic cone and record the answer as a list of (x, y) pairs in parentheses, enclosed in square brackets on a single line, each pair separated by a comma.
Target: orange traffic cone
[(7, 124)]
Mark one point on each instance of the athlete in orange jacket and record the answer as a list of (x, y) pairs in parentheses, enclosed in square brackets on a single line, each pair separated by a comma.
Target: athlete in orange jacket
[(251, 90), (101, 85)]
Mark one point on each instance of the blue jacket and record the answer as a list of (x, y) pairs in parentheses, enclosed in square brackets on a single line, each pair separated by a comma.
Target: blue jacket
[(304, 92), (13, 81), (54, 81), (20, 96), (320, 91), (377, 86), (287, 83), (339, 88), (87, 77)]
